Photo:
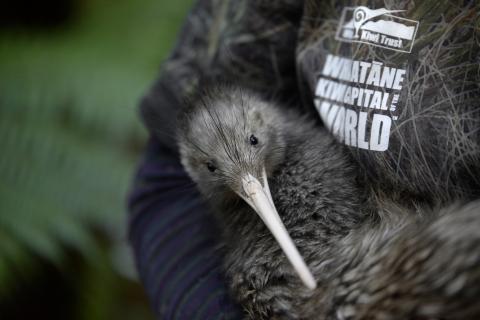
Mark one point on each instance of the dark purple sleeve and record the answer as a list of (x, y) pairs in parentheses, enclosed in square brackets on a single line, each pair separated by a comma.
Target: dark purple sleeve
[(174, 241)]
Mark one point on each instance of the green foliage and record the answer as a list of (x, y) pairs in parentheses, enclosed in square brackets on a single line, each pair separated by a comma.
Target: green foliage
[(69, 133)]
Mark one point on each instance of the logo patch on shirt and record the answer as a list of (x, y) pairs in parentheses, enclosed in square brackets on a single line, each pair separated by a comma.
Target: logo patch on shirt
[(377, 27)]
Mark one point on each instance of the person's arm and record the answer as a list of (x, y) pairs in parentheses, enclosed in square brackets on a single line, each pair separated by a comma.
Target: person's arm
[(174, 240)]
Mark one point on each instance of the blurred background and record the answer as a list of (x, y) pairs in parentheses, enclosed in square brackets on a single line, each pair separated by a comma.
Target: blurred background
[(71, 76)]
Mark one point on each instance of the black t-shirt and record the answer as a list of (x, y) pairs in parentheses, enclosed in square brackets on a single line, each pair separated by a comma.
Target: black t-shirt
[(396, 81), (400, 86)]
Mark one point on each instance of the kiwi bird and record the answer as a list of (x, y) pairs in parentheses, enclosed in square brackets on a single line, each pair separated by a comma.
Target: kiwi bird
[(303, 236)]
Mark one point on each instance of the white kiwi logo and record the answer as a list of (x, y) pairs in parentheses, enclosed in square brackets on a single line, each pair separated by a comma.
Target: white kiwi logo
[(378, 27)]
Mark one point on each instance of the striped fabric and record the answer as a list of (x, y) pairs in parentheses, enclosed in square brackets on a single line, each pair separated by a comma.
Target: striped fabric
[(174, 240)]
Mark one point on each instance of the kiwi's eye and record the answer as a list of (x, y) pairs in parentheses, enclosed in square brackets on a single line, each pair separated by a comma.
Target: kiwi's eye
[(211, 167), (253, 140)]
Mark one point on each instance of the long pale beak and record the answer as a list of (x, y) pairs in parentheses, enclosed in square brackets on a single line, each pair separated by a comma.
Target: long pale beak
[(260, 199)]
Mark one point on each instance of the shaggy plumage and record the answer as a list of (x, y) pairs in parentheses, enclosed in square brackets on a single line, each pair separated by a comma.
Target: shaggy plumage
[(371, 259)]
